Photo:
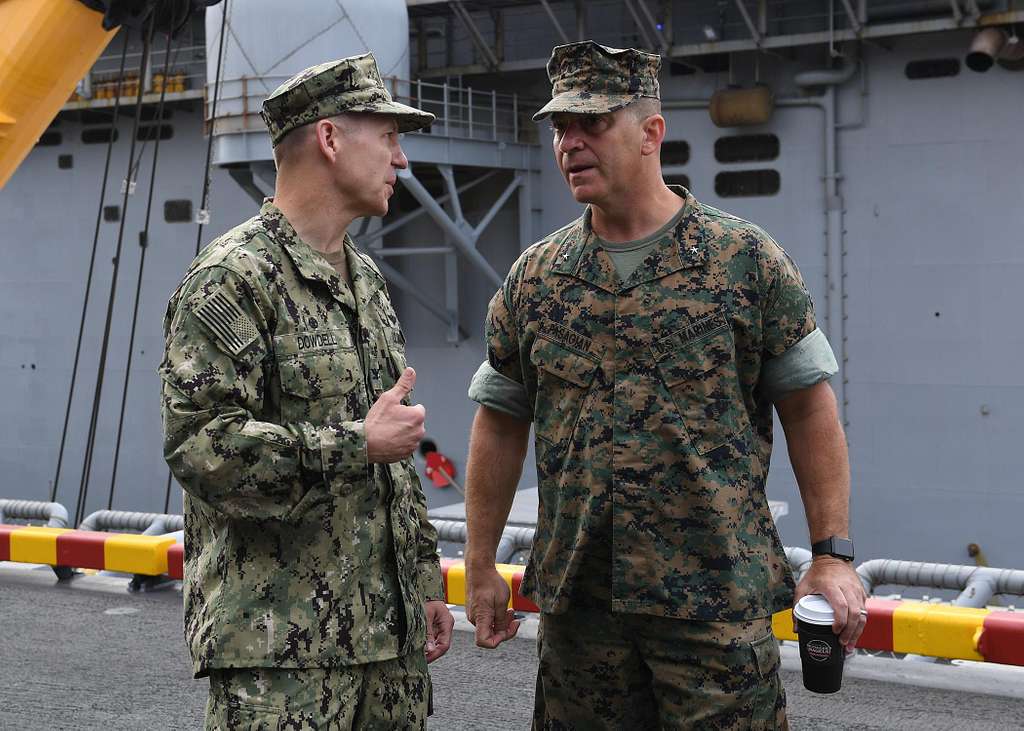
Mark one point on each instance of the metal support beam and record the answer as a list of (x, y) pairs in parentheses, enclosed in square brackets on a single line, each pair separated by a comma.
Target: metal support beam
[(243, 176), (754, 33), (413, 251), (662, 41), (525, 210), (461, 233), (498, 18), (398, 279), (506, 194), (413, 215), (869, 32), (474, 33), (973, 10), (554, 21), (454, 202), (451, 292), (581, 20), (852, 16), (648, 41), (958, 15)]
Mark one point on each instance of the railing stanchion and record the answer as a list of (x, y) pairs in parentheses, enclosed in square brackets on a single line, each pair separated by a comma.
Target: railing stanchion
[(494, 115), (515, 118)]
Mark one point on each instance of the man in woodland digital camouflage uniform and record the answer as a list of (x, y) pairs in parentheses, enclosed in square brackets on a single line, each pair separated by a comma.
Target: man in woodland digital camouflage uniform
[(647, 343), (313, 592)]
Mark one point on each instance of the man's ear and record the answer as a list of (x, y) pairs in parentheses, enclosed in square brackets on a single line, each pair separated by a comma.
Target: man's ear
[(654, 132), (327, 138)]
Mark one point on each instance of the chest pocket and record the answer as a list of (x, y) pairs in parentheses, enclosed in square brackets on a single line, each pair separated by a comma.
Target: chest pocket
[(564, 378), (317, 370), (386, 358), (701, 376)]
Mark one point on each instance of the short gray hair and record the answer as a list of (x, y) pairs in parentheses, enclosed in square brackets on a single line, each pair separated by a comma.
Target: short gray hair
[(644, 107), (289, 146)]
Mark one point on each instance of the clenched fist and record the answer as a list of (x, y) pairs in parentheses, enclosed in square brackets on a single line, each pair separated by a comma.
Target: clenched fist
[(394, 430)]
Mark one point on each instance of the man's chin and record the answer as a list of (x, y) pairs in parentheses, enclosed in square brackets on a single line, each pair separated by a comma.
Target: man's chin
[(582, 194)]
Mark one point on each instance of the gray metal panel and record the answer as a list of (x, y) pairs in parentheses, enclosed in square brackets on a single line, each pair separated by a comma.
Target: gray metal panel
[(46, 224)]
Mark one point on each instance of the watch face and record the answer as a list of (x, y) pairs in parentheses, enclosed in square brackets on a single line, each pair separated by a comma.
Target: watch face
[(842, 547)]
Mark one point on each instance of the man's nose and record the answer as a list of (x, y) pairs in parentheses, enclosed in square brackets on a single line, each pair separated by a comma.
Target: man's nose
[(571, 139), (399, 160)]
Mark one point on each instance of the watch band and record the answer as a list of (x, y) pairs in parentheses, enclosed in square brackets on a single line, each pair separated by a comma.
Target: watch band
[(834, 546)]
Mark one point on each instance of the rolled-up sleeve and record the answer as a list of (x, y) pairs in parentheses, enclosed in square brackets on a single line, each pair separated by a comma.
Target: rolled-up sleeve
[(806, 364), (490, 388)]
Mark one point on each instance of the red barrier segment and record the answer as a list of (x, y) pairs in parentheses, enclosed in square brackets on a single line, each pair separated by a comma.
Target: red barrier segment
[(176, 561), (877, 633), (5, 541), (1002, 637), (519, 602), (445, 564), (81, 549)]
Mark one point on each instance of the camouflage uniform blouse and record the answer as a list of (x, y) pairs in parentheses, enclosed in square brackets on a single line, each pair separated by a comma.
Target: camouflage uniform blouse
[(297, 552), (652, 436)]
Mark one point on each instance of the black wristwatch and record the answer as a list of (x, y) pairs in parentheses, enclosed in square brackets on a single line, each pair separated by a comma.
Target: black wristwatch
[(834, 546)]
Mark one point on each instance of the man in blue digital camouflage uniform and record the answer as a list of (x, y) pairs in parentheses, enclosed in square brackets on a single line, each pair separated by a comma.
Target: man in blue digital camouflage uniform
[(313, 593)]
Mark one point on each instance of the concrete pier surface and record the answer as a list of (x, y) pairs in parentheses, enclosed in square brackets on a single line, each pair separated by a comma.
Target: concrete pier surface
[(89, 655)]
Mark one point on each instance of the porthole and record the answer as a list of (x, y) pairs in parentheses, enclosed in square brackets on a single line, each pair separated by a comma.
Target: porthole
[(747, 183)]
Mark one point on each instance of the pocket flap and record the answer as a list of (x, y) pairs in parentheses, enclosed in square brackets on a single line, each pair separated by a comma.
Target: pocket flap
[(766, 654), (316, 364), (562, 362), (690, 361)]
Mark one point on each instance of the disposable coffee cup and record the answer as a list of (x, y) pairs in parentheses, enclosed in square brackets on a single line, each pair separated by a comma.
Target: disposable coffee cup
[(821, 655)]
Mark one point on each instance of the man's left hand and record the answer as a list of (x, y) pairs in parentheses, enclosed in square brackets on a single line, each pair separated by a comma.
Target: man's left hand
[(439, 629), (837, 581)]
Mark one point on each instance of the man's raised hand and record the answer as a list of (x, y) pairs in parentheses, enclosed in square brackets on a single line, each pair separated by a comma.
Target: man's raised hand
[(394, 430)]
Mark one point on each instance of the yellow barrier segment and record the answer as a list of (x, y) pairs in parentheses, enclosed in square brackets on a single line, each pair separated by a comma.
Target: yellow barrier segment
[(35, 544), (938, 630), (46, 46), (782, 625), (457, 583), (456, 574), (134, 554), (507, 571)]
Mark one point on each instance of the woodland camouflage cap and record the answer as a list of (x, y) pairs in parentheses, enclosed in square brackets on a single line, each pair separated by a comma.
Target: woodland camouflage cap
[(350, 84), (588, 78)]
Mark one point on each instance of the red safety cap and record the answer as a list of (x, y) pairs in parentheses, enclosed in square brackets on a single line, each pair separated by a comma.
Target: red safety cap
[(439, 469), (1002, 637), (176, 561), (5, 541)]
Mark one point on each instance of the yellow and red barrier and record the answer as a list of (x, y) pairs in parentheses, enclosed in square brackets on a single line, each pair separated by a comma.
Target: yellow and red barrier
[(922, 628), (937, 630), (454, 574), (82, 549)]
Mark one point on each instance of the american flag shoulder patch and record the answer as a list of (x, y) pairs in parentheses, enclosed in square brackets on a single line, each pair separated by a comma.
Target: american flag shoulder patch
[(233, 328)]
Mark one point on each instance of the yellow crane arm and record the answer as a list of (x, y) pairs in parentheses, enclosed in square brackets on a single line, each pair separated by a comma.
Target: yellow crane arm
[(46, 46)]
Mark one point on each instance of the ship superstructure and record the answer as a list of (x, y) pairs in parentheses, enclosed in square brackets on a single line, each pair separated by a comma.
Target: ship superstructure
[(854, 131)]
